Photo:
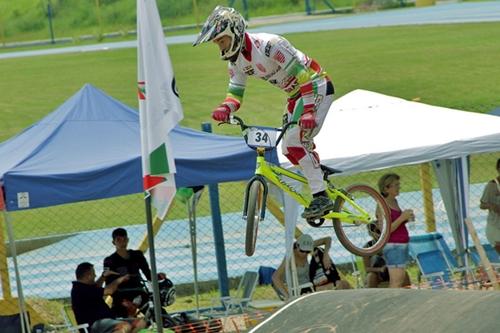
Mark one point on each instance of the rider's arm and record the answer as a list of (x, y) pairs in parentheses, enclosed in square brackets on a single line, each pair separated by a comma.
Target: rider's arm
[(278, 278), (235, 90), (289, 58)]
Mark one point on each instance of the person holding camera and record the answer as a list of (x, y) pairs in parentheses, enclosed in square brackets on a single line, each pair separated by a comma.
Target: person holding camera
[(318, 274)]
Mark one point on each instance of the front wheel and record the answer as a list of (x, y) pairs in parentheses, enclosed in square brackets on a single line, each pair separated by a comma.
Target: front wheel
[(255, 202), (365, 237)]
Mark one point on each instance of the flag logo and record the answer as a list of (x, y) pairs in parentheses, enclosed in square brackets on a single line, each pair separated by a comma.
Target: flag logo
[(141, 90), (279, 57)]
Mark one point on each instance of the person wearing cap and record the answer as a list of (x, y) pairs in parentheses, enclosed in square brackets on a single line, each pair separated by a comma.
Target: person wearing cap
[(304, 246), (308, 89), (125, 261)]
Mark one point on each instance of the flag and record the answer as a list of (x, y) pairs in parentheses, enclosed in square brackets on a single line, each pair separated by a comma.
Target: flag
[(2, 201), (159, 107)]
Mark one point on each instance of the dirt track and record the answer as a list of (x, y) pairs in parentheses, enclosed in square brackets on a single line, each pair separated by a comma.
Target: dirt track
[(388, 310)]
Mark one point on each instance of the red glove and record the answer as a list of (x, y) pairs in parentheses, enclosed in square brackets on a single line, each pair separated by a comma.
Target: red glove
[(307, 120), (221, 113)]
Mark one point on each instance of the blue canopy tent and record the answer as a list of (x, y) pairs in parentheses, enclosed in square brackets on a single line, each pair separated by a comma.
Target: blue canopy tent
[(89, 148)]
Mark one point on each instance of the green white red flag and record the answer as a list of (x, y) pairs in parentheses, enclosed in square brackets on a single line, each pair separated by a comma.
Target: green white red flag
[(159, 106), (2, 201)]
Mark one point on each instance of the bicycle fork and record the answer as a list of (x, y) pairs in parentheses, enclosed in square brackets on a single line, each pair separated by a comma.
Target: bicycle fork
[(262, 181)]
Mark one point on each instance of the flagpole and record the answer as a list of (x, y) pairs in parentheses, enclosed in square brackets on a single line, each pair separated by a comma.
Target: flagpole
[(152, 259)]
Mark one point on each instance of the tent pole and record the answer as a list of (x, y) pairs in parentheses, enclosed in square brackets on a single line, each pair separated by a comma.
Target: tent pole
[(152, 259), (4, 268), (426, 185), (218, 231), (191, 205), (25, 323)]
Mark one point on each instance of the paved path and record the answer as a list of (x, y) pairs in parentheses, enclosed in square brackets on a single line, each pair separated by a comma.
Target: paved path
[(388, 310), (439, 14)]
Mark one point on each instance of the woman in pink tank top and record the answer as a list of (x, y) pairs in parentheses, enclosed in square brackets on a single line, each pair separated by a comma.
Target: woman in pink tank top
[(396, 250)]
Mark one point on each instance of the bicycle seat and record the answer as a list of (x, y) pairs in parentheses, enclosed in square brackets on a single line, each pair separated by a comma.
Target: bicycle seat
[(329, 171)]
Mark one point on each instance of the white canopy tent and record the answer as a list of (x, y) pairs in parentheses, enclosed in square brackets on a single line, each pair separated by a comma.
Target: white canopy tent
[(366, 131)]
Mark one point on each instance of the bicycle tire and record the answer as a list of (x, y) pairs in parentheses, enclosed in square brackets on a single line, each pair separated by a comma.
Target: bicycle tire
[(370, 197), (255, 196)]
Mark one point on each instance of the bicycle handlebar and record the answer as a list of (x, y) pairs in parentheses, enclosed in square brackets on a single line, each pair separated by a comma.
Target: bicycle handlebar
[(235, 120)]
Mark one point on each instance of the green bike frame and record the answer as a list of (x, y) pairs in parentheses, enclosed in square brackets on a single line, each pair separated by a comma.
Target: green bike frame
[(277, 175)]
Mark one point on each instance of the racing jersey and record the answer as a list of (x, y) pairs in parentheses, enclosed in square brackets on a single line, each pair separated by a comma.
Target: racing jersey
[(272, 58)]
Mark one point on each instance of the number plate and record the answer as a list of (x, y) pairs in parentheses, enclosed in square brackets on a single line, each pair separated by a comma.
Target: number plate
[(261, 137)]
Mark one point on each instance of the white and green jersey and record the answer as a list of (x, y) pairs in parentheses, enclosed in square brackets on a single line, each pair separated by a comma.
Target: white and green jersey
[(272, 58)]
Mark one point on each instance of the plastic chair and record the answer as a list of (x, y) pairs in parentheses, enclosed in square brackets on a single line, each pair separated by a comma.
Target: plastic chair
[(70, 324), (244, 294), (435, 269), (435, 242)]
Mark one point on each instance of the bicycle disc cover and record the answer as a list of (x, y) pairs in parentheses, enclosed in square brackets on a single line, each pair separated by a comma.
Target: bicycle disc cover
[(315, 222)]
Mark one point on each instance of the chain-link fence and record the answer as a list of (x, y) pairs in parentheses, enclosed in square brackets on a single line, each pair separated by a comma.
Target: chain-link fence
[(50, 242), (76, 21)]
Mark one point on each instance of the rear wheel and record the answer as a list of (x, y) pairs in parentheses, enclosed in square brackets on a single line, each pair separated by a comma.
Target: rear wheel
[(255, 198), (358, 237)]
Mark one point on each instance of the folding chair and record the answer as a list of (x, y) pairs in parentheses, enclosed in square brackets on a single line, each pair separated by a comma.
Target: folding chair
[(70, 324), (436, 242), (494, 259), (491, 253), (435, 269), (243, 296)]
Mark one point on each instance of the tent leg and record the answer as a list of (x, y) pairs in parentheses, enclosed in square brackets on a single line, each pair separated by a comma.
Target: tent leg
[(4, 268), (25, 323)]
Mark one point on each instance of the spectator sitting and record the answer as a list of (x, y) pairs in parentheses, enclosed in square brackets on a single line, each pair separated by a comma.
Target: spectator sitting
[(131, 262), (314, 272), (375, 265), (88, 303)]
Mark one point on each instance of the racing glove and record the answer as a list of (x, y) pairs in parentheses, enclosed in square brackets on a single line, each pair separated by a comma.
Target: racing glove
[(221, 113)]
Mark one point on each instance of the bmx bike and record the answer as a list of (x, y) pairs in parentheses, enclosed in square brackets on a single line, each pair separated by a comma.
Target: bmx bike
[(355, 206)]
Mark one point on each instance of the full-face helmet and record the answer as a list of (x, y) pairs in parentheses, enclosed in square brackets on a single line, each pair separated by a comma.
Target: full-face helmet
[(224, 21)]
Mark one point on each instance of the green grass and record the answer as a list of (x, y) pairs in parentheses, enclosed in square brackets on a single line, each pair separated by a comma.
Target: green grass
[(23, 20), (448, 65)]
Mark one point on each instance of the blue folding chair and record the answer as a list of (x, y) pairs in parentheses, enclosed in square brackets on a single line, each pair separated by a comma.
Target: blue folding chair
[(435, 269), (491, 253), (435, 242)]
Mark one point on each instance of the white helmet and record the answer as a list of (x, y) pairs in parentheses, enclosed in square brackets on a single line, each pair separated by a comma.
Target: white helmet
[(224, 21)]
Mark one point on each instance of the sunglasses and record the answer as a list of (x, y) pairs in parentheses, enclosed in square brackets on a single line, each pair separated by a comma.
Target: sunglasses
[(304, 251)]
